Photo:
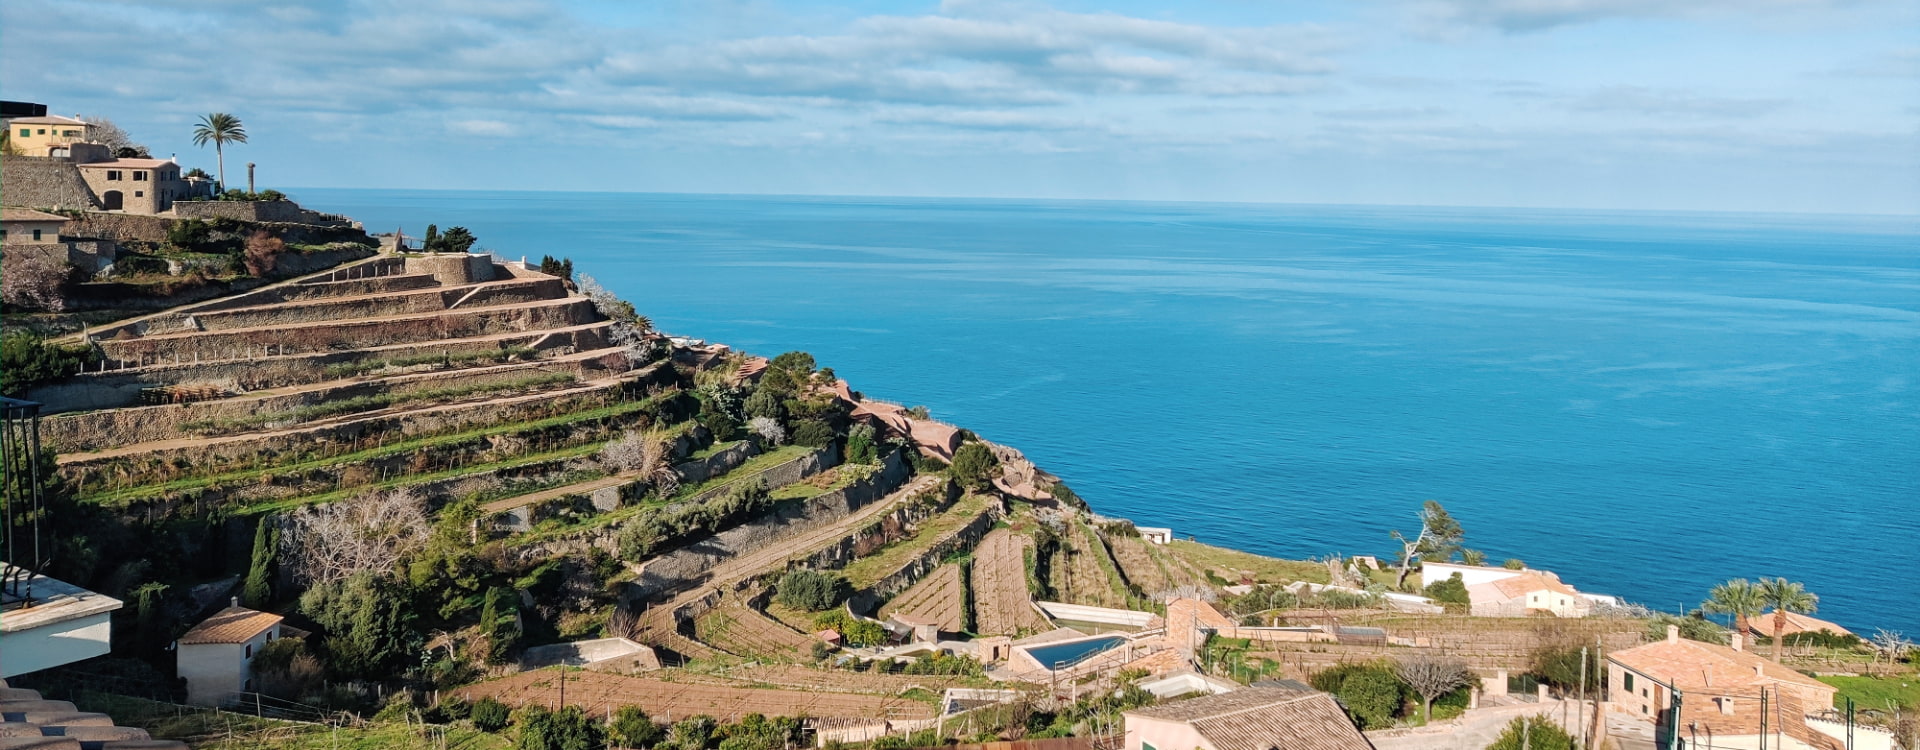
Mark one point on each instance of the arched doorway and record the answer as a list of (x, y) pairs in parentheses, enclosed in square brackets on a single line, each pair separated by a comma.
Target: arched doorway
[(111, 200)]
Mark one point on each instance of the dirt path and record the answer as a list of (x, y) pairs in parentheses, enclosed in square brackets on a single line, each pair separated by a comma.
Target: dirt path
[(937, 597), (579, 488), (658, 620), (666, 700)]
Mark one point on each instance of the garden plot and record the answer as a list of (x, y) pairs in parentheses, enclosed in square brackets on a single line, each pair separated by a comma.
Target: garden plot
[(668, 700), (940, 597), (1002, 605)]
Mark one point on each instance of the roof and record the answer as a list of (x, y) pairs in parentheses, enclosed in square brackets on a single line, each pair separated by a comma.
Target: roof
[(28, 214), (127, 164), (1691, 665), (1796, 623), (1529, 582), (47, 120), (231, 625), (1263, 718)]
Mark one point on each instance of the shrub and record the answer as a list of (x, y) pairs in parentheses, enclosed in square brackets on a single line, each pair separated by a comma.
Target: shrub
[(632, 728), (1514, 563), (1559, 666), (812, 433), (1533, 733), (1372, 696), (27, 361), (489, 715), (262, 253), (810, 590), (764, 403), (861, 448), (566, 729), (974, 465), (1451, 592), (1691, 628)]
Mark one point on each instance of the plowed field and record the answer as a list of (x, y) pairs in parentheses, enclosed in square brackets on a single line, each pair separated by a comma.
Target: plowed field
[(671, 701), (1001, 603), (937, 597)]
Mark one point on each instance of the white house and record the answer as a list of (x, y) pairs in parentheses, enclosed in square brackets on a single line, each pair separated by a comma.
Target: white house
[(1155, 534), (1506, 592), (216, 656)]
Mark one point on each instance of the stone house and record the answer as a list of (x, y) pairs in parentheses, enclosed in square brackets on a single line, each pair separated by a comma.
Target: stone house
[(24, 230), (38, 136), (216, 656), (136, 186), (1727, 695), (1255, 718)]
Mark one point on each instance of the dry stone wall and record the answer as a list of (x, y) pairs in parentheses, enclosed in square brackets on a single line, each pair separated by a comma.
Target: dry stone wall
[(683, 567), (274, 211), (37, 182)]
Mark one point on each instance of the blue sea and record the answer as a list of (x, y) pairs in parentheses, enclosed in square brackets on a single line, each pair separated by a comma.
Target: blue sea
[(1646, 403)]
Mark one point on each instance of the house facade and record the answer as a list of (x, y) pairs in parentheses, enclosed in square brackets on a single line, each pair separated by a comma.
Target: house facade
[(216, 656), (136, 186), (38, 136), (24, 226), (1530, 593)]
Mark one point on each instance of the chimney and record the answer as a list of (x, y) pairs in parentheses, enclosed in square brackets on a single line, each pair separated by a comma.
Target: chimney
[(233, 601), (1737, 641), (1758, 671), (1673, 633)]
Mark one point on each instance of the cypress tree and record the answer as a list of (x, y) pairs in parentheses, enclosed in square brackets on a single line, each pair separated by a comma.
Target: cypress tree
[(258, 592)]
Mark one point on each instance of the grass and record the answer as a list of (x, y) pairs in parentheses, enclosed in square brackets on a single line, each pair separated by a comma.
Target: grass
[(412, 479), (1877, 692), (753, 467), (335, 407), (350, 369), (1102, 558), (1264, 569), (391, 449), (868, 570), (375, 737)]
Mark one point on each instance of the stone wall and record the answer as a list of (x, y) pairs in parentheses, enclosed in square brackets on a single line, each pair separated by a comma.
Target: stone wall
[(275, 211), (36, 182), (688, 565), (453, 269), (95, 430), (913, 570), (721, 462), (356, 334)]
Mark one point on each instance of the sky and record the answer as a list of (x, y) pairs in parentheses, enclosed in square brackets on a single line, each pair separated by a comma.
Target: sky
[(1806, 106)]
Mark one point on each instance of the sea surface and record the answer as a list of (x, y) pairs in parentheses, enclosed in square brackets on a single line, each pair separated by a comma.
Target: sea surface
[(1645, 403)]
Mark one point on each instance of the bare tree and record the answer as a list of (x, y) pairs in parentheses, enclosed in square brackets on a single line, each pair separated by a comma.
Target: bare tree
[(1439, 538), (368, 533), (1890, 642), (648, 455), (768, 428), (115, 138), (33, 280), (1432, 677)]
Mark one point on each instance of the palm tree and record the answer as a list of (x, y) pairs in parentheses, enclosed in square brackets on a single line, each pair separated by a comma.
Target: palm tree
[(1785, 596), (1738, 598), (221, 128)]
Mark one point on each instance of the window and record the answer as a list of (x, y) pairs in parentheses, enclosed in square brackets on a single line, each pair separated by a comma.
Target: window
[(36, 235), (1726, 704), (1643, 708), (113, 174), (249, 650), (26, 132), (41, 131), (1628, 683), (139, 176), (1148, 746), (3, 234), (139, 193)]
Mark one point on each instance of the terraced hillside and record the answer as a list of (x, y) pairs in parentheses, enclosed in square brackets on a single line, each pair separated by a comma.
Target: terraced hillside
[(418, 371)]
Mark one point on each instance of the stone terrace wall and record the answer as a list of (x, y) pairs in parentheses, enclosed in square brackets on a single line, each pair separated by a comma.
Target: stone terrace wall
[(721, 462), (287, 212), (682, 567), (37, 182)]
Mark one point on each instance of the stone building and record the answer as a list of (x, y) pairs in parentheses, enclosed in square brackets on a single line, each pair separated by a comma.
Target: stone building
[(136, 186), (25, 226), (216, 656)]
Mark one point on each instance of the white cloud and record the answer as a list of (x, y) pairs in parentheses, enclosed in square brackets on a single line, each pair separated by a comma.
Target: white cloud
[(1515, 16), (488, 128)]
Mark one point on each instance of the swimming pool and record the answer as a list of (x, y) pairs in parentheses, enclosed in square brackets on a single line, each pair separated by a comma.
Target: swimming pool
[(1063, 655)]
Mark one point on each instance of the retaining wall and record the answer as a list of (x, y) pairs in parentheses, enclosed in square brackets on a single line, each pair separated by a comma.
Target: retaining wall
[(275, 211), (353, 334), (38, 182), (689, 565)]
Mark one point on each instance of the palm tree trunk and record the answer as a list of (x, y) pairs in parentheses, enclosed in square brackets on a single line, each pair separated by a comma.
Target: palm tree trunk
[(220, 155), (1779, 630)]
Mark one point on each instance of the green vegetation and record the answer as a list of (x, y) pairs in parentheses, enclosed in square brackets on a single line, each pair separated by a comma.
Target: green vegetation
[(28, 361), (1533, 733), (258, 591), (1880, 693), (446, 360), (1372, 694), (1451, 592), (854, 632), (220, 129), (1785, 596), (868, 570), (810, 590), (1262, 569), (335, 407), (974, 466)]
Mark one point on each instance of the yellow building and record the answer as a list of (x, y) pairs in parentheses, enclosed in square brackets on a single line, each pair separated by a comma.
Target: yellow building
[(37, 136)]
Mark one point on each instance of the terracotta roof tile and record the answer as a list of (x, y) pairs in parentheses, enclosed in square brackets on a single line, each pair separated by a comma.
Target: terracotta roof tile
[(28, 214), (1526, 583), (1796, 623), (231, 625), (1707, 667)]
